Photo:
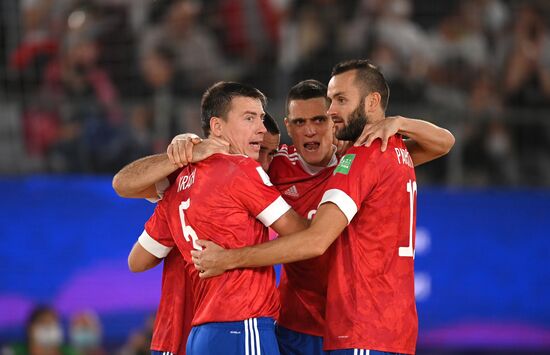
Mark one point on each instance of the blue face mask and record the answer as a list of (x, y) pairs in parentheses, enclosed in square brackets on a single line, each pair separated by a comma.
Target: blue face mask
[(84, 338)]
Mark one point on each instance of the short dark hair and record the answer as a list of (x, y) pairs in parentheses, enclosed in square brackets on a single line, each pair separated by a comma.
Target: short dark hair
[(368, 78), (305, 90), (216, 100), (270, 124)]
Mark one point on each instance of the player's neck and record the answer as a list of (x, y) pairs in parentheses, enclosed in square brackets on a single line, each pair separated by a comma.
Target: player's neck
[(375, 117)]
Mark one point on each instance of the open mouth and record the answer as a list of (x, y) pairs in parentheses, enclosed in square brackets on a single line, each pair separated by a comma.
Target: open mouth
[(255, 146), (312, 146)]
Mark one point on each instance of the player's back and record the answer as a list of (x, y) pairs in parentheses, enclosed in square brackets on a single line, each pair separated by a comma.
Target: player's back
[(223, 199), (175, 311), (370, 299)]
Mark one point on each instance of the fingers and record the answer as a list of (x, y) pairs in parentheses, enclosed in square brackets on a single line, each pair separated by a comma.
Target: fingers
[(371, 139), (171, 151), (180, 151), (208, 273), (202, 243), (384, 144), (362, 139), (365, 135), (185, 136), (188, 150), (179, 156)]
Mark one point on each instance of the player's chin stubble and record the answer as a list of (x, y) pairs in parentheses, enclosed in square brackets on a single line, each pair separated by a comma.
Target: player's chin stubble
[(356, 123)]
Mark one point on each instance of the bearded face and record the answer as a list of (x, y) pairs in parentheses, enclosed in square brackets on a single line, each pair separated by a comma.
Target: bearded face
[(355, 124)]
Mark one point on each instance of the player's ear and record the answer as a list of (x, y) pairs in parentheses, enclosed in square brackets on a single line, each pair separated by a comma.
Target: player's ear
[(216, 126), (287, 125), (372, 102)]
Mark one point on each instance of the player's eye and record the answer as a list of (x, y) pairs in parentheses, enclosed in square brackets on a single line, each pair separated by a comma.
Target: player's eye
[(319, 119)]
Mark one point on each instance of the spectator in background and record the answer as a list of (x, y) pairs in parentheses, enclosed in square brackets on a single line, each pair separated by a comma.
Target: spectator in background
[(402, 50), (163, 87), (309, 43), (526, 79), (489, 152), (139, 341), (85, 334), (44, 335), (460, 50), (85, 102), (250, 32), (526, 84), (197, 53)]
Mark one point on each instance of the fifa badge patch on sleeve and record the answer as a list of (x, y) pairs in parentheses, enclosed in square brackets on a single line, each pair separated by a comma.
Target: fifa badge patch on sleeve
[(345, 164)]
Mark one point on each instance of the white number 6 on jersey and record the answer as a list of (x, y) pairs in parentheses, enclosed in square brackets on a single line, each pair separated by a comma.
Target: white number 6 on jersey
[(188, 231)]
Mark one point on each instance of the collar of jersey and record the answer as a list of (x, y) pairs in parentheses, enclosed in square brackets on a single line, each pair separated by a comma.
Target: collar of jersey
[(312, 169)]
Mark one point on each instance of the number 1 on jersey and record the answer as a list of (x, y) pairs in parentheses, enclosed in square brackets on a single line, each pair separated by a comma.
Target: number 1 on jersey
[(409, 250), (188, 231)]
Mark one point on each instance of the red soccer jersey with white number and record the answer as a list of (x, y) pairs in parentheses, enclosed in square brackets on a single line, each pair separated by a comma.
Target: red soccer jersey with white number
[(175, 311), (303, 285), (224, 199), (370, 296)]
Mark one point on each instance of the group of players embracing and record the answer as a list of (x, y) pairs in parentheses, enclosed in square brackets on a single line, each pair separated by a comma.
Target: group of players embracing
[(342, 199)]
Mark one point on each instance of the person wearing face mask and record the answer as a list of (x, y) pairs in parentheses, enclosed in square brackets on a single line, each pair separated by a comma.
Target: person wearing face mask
[(85, 334), (44, 335)]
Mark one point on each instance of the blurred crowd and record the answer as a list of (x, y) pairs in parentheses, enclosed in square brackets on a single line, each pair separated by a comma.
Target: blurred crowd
[(45, 335), (103, 82)]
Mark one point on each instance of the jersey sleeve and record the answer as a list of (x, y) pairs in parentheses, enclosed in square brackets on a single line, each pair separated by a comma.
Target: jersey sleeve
[(163, 185), (253, 188), (156, 237), (352, 180)]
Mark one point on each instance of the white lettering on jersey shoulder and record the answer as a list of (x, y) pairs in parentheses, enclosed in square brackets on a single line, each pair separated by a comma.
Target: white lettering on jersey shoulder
[(403, 157), (264, 176), (186, 181)]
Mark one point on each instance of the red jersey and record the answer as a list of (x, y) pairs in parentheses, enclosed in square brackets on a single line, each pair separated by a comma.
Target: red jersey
[(370, 295), (175, 311), (303, 285), (230, 201)]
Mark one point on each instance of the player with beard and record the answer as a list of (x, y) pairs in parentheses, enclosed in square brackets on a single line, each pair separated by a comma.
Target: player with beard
[(300, 172), (371, 201)]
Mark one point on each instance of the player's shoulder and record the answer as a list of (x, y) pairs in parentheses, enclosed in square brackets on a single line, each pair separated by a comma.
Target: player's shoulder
[(235, 160), (375, 148), (244, 166), (286, 152), (285, 158)]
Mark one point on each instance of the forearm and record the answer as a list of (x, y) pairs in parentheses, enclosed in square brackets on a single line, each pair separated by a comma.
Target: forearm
[(140, 260), (138, 178), (311, 242), (430, 141), (299, 246)]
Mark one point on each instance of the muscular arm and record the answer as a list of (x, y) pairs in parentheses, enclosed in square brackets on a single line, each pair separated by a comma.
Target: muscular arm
[(327, 225), (290, 222), (138, 179), (426, 141), (141, 260)]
